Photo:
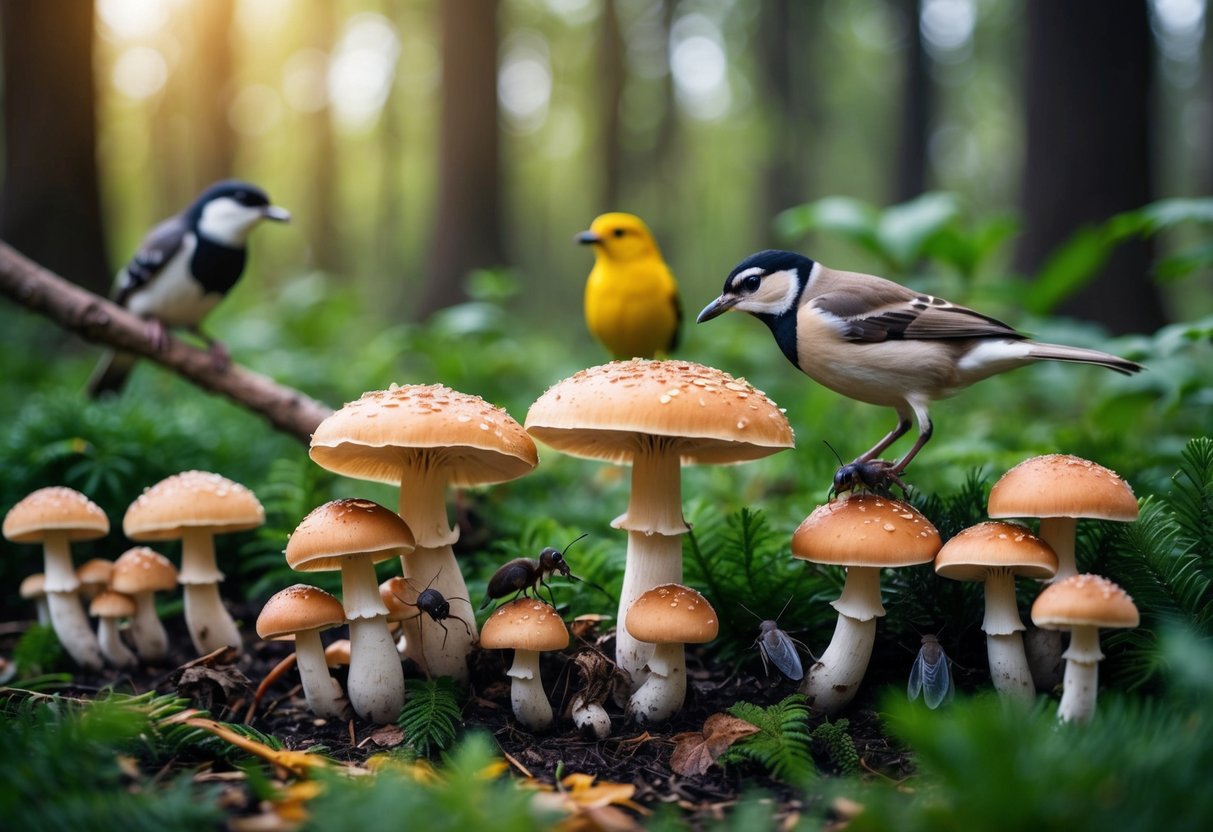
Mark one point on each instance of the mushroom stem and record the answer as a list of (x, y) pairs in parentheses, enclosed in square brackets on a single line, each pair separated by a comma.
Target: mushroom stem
[(662, 694), (652, 560), (1081, 683), (834, 679), (860, 598), (209, 623), (439, 651), (591, 718), (1059, 532), (530, 703), (323, 692), (71, 626), (423, 503), (112, 646), (1003, 627), (57, 559), (147, 631), (43, 611), (376, 678), (655, 503)]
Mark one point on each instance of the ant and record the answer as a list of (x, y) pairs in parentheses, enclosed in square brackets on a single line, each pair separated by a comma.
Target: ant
[(875, 475), (521, 575)]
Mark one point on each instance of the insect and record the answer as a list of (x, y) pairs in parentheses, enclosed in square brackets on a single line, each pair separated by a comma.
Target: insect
[(521, 575), (777, 647), (930, 674), (874, 475), (433, 603)]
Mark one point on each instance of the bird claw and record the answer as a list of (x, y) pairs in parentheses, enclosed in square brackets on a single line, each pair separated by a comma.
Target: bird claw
[(221, 359), (157, 334), (877, 476)]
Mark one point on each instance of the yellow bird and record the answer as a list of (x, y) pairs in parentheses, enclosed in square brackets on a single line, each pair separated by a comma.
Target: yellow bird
[(631, 298)]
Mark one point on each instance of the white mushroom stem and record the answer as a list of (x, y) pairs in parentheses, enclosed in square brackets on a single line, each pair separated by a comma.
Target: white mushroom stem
[(1003, 627), (423, 501), (112, 647), (71, 626), (57, 560), (1059, 533), (652, 560), (833, 680), (44, 611), (591, 718), (323, 692), (146, 630), (1081, 683), (530, 703), (209, 623), (662, 694), (376, 678)]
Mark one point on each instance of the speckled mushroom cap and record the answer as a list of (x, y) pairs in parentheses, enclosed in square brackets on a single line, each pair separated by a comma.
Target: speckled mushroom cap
[(296, 609), (1062, 485), (672, 614), (599, 413), (55, 509), (95, 572), (140, 569), (341, 528), (110, 604), (1084, 600), (972, 553), (866, 530), (196, 500), (524, 624), (376, 436)]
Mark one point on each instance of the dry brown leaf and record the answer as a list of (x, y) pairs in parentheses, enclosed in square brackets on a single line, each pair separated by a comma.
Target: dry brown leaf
[(694, 753), (385, 736)]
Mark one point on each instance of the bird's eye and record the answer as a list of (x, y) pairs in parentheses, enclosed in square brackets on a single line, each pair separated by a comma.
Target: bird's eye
[(619, 232), (751, 283)]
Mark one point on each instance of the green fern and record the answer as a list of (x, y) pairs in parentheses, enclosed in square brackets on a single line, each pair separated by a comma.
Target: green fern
[(431, 716), (839, 745), (783, 745)]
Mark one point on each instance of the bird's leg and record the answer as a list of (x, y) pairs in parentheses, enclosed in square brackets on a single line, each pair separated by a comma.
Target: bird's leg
[(903, 426), (879, 475), (924, 435), (220, 357), (157, 334)]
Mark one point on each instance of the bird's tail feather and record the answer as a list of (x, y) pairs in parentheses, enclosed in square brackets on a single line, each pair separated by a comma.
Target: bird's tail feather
[(1080, 355), (110, 374)]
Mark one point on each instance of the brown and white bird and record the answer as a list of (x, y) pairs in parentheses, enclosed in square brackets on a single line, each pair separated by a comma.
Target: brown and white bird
[(877, 341)]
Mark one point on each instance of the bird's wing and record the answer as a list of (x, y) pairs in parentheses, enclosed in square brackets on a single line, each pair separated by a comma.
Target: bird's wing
[(157, 248), (909, 317)]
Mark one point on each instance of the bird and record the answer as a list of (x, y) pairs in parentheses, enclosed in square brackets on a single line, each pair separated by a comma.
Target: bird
[(183, 268), (876, 341), (631, 297)]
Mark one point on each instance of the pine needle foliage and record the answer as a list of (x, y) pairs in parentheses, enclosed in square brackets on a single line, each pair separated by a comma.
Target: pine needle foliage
[(783, 745), (432, 715), (839, 746)]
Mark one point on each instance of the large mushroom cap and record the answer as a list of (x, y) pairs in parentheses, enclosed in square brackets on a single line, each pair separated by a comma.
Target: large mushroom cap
[(524, 624), (599, 413), (672, 614), (298, 608), (1062, 485), (866, 530), (341, 528), (55, 509), (970, 554), (1084, 600), (140, 569), (377, 436), (196, 500)]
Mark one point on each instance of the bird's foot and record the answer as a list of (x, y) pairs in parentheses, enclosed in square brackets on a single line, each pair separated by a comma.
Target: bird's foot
[(221, 359), (157, 334), (877, 476)]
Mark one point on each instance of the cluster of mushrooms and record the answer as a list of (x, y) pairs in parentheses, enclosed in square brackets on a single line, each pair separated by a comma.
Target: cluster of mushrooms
[(655, 416)]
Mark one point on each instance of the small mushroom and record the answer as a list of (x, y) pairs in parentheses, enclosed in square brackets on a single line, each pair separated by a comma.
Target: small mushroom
[(302, 612), (33, 588), (996, 553), (1083, 604), (528, 627), (141, 572), (109, 608), (668, 616), (94, 577), (56, 517)]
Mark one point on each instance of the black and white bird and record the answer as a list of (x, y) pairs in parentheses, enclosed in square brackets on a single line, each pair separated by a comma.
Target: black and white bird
[(877, 341), (184, 267)]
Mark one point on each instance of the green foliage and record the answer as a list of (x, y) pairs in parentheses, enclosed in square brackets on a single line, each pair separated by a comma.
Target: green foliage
[(839, 745), (38, 650), (783, 745), (432, 715)]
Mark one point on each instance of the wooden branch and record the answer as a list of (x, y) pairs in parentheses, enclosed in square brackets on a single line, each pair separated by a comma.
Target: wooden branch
[(96, 319)]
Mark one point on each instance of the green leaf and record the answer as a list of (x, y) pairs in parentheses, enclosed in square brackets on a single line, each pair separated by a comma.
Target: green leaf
[(903, 231), (1067, 270), (850, 218), (432, 715), (783, 744)]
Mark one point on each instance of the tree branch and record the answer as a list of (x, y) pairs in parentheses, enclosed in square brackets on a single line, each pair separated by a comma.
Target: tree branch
[(96, 319)]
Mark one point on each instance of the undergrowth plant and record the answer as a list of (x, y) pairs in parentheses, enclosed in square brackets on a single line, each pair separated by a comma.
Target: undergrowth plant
[(432, 716), (783, 745)]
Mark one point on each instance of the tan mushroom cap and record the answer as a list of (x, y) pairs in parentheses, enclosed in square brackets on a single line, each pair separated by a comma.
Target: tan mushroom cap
[(601, 412), (341, 528), (672, 614), (32, 586), (971, 553), (296, 609), (524, 624), (140, 569), (55, 509), (377, 436), (1062, 485), (192, 500), (110, 604), (95, 571), (393, 591), (866, 530), (1084, 600)]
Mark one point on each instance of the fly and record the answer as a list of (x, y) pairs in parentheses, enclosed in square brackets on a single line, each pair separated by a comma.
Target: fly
[(777, 647), (930, 674)]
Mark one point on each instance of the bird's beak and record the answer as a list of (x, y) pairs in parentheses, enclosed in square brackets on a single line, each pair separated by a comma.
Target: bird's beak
[(588, 238), (719, 306), (276, 213)]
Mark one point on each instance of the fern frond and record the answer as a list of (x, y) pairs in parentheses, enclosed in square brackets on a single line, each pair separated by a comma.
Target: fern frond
[(783, 745), (1192, 500), (432, 715), (839, 745)]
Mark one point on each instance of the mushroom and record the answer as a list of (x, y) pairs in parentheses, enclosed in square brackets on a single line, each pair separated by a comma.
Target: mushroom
[(301, 612), (1059, 489), (56, 517), (352, 536), (94, 577), (656, 416), (424, 438), (528, 626), (33, 588), (996, 553), (194, 506), (1083, 604), (668, 617), (109, 607), (865, 533), (393, 591), (141, 572)]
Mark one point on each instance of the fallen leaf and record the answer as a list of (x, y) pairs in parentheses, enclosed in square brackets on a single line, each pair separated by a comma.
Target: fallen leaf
[(694, 753), (385, 736)]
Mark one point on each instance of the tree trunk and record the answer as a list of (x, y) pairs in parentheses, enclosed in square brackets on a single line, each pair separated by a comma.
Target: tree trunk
[(1089, 71), (467, 234), (50, 202), (216, 150), (612, 76), (916, 105)]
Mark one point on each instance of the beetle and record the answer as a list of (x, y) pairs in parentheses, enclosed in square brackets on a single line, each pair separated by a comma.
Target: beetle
[(522, 575), (433, 603), (930, 674)]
